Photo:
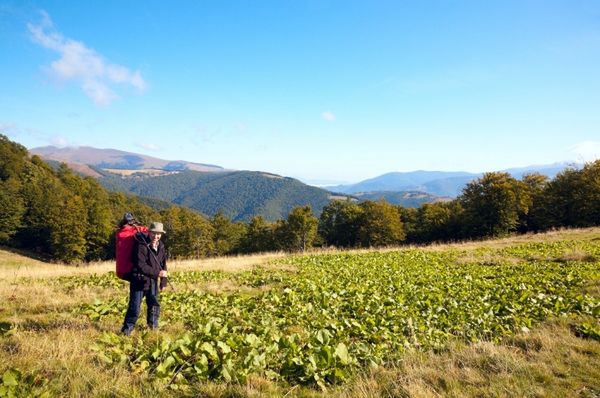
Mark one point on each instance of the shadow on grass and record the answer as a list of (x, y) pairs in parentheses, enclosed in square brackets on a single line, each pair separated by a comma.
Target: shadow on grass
[(46, 258)]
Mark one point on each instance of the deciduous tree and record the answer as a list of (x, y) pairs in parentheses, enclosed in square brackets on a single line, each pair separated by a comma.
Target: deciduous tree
[(300, 229), (380, 225), (492, 205), (339, 223)]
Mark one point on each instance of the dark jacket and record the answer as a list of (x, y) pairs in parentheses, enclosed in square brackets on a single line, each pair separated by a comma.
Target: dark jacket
[(147, 263)]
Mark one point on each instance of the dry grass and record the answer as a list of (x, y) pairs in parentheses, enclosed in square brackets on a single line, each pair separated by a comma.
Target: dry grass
[(583, 234), (14, 266), (54, 343), (549, 361), (577, 255), (226, 263), (487, 259)]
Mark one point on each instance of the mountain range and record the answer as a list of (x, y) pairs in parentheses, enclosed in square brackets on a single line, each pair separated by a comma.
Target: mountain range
[(437, 183), (113, 159), (209, 189), (243, 194)]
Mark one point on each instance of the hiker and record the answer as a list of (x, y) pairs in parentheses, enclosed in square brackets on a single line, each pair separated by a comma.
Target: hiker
[(149, 264)]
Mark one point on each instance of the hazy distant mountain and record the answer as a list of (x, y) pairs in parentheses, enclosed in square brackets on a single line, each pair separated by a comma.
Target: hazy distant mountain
[(411, 181), (550, 170), (119, 160), (244, 194), (322, 182), (240, 195), (450, 186), (403, 198), (438, 183)]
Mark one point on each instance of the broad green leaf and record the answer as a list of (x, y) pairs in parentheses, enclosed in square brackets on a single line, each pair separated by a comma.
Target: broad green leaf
[(341, 351)]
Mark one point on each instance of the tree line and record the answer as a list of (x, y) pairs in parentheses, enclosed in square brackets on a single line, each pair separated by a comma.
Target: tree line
[(59, 214)]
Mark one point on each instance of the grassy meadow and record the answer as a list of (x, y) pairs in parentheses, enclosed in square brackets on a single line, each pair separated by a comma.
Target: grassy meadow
[(518, 316)]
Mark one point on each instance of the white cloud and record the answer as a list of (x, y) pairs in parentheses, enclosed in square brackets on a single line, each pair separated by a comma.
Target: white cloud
[(328, 115), (586, 151), (84, 65), (149, 146)]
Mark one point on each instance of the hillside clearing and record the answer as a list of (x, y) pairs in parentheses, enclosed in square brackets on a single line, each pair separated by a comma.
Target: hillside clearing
[(58, 323)]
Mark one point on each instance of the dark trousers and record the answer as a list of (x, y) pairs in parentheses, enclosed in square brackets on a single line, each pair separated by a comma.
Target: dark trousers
[(135, 303)]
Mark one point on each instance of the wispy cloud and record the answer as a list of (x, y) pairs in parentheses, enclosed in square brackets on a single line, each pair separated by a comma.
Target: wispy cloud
[(586, 151), (328, 115), (14, 131), (79, 63), (202, 134), (7, 127), (148, 146)]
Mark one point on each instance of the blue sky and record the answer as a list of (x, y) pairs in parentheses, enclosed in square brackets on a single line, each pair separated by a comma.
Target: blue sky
[(320, 90)]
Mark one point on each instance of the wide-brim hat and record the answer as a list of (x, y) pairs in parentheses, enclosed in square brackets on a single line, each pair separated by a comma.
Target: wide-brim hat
[(157, 227)]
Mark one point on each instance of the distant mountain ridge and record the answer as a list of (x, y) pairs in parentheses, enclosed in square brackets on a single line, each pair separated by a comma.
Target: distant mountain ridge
[(116, 159), (239, 195), (438, 183), (403, 198), (244, 194)]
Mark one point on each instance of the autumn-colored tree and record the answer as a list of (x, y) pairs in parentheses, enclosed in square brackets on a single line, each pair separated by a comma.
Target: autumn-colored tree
[(380, 225), (189, 234)]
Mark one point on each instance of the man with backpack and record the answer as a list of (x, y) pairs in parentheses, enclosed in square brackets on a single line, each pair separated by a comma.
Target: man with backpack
[(149, 264)]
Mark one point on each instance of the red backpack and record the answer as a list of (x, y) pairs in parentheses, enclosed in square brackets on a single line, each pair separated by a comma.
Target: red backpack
[(125, 242)]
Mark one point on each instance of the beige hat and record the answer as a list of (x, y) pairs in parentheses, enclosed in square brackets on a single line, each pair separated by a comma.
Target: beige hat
[(157, 227)]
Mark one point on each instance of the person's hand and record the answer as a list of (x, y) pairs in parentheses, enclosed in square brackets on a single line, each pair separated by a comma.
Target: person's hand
[(163, 274)]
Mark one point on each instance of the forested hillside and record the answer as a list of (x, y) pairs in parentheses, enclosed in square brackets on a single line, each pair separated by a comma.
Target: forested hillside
[(58, 214), (239, 195)]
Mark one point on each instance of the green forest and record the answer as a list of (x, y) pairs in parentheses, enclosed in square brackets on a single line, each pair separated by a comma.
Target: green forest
[(54, 213), (239, 195)]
